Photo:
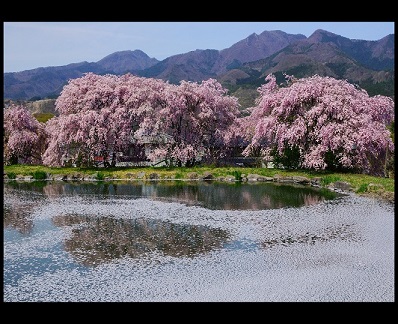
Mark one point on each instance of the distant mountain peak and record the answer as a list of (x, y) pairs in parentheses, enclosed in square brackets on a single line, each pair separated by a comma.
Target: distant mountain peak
[(321, 36), (127, 61), (133, 53)]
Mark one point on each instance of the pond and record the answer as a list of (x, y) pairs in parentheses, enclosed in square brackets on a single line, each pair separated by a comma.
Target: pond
[(182, 241), (209, 194)]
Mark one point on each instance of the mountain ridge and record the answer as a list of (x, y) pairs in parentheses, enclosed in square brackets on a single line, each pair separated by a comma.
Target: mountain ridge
[(241, 66)]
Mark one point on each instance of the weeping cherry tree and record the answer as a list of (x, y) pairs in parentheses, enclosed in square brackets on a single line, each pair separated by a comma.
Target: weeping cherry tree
[(321, 123), (24, 137)]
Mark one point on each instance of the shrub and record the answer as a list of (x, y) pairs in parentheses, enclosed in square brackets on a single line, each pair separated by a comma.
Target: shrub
[(237, 174), (178, 175), (39, 175), (11, 175), (100, 176)]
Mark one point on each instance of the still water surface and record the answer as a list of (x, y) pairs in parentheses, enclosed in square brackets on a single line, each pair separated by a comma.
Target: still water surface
[(211, 195)]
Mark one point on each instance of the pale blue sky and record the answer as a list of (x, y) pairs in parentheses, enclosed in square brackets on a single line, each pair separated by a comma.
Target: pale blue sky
[(29, 45)]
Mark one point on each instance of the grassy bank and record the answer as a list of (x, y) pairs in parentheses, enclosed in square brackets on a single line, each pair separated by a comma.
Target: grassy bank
[(360, 183)]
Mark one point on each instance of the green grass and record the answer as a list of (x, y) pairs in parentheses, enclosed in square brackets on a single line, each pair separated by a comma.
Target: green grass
[(328, 179), (363, 188), (43, 117), (359, 182)]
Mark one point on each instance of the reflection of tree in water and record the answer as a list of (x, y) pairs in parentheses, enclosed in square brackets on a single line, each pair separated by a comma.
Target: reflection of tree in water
[(54, 189), (17, 217), (80, 188), (310, 199), (103, 239), (279, 195), (20, 199), (175, 191), (213, 195), (28, 186), (339, 232), (69, 219), (257, 196)]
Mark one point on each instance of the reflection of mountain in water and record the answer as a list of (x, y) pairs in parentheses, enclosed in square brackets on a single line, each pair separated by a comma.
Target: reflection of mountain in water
[(99, 240), (212, 195)]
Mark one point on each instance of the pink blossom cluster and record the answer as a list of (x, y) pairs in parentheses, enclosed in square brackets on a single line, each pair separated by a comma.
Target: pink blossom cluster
[(320, 116), (109, 113), (329, 123), (24, 137)]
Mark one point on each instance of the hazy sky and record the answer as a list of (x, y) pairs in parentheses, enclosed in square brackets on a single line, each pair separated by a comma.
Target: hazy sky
[(29, 45)]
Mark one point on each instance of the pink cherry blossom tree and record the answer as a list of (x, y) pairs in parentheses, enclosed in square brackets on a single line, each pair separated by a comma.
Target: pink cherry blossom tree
[(321, 123), (24, 137), (237, 137), (188, 121), (97, 115)]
